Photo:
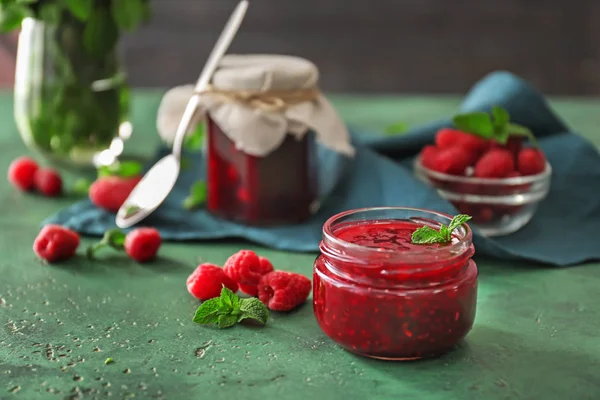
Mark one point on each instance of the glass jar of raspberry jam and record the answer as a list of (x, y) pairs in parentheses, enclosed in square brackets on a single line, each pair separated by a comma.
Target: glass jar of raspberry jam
[(278, 188), (379, 295)]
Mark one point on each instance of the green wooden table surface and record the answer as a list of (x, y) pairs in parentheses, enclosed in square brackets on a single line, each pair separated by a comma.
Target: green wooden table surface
[(535, 336)]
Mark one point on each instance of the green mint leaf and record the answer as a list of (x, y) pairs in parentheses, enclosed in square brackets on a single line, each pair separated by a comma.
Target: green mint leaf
[(396, 129), (445, 232), (457, 221), (185, 164), (427, 235), (520, 130), (101, 33), (81, 9), (109, 360), (477, 123), (208, 312), (128, 13), (197, 196), (124, 169), (226, 321), (11, 16), (229, 300), (253, 308), (195, 140), (112, 238), (131, 210), (81, 186), (501, 117)]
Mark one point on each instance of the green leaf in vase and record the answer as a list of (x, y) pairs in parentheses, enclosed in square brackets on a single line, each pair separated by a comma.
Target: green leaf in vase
[(81, 9), (128, 13), (101, 33)]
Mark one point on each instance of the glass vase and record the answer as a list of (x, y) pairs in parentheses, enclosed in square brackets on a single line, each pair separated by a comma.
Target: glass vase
[(71, 103)]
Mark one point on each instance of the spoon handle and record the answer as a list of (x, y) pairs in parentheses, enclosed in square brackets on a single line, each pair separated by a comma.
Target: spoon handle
[(207, 72)]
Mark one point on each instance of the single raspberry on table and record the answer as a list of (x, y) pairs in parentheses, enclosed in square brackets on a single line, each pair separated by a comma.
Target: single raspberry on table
[(21, 173), (207, 281), (447, 137), (246, 268), (265, 268), (48, 182), (109, 193), (452, 160), (496, 163), (142, 244), (531, 161), (283, 291), (55, 243)]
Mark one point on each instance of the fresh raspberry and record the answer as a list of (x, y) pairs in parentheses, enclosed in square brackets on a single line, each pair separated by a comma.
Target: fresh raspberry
[(483, 215), (207, 281), (428, 156), (283, 291), (55, 243), (452, 160), (246, 268), (513, 144), (446, 138), (496, 163), (251, 290), (48, 182), (265, 268), (531, 161), (142, 244), (21, 173), (109, 193)]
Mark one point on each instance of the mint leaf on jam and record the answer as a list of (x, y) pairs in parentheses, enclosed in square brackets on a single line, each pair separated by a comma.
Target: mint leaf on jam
[(125, 169), (112, 238), (495, 125), (228, 309), (197, 196), (428, 235)]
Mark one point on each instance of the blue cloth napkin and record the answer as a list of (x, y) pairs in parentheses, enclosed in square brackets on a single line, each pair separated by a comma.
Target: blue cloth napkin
[(562, 232)]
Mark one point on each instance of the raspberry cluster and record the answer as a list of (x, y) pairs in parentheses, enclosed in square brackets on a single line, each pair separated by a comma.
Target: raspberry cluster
[(253, 275), (26, 175), (463, 154)]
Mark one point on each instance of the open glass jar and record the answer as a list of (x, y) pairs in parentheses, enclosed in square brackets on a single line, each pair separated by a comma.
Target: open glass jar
[(266, 119), (378, 295)]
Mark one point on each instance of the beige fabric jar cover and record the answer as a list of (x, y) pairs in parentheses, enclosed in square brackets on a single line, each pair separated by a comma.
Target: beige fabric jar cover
[(257, 100)]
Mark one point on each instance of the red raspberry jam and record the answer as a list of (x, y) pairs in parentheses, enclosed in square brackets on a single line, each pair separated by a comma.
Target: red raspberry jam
[(379, 295), (276, 189)]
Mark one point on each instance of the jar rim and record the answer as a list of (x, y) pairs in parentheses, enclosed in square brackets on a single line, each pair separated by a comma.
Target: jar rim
[(464, 232)]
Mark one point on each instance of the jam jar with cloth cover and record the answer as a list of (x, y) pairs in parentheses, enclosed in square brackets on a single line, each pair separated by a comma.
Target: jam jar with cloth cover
[(265, 117)]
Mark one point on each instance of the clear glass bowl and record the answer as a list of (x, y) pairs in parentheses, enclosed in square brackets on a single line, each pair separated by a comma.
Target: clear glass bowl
[(498, 206)]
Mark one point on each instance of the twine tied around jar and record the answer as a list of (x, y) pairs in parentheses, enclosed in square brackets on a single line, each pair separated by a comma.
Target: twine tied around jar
[(269, 100)]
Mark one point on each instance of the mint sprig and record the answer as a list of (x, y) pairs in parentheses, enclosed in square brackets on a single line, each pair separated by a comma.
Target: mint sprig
[(197, 196), (495, 125), (122, 169), (228, 309), (428, 235), (195, 140), (398, 128), (112, 238)]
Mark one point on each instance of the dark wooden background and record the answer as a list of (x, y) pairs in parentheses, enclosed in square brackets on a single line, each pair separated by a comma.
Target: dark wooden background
[(409, 46)]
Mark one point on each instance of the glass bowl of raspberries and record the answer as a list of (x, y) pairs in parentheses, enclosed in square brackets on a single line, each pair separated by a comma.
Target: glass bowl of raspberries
[(499, 185)]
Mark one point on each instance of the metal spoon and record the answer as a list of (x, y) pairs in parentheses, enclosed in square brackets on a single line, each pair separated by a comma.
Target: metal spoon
[(158, 182)]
